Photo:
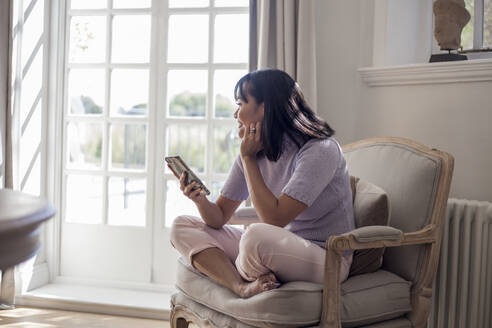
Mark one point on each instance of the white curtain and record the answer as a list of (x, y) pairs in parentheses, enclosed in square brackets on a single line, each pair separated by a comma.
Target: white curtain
[(7, 287), (282, 37)]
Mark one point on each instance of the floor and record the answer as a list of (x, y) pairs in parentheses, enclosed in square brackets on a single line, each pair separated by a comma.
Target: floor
[(24, 317)]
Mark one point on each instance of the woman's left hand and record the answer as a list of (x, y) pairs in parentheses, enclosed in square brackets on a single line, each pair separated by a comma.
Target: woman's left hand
[(251, 143)]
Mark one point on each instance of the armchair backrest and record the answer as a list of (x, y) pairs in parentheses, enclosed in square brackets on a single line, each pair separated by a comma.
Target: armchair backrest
[(417, 180)]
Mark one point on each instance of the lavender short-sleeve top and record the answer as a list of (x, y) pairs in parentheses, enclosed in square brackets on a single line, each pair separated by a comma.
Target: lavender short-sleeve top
[(316, 175)]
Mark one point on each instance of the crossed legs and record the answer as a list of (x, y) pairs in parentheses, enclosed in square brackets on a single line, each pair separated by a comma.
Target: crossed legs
[(262, 254), (213, 251)]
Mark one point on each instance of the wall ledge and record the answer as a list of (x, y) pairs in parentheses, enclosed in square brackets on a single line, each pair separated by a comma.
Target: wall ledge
[(475, 70)]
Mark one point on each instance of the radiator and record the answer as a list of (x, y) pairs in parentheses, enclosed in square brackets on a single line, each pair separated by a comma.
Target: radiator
[(462, 294)]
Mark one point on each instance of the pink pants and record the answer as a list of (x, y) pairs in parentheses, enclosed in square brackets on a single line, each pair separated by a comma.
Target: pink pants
[(260, 249)]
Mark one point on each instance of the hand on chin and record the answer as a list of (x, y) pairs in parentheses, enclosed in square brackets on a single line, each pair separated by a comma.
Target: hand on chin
[(242, 132)]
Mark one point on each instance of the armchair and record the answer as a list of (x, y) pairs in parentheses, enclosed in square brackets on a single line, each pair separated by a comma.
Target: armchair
[(417, 180)]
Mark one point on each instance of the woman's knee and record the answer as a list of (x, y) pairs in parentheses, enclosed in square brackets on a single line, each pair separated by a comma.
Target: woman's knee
[(255, 247), (258, 235), (180, 225)]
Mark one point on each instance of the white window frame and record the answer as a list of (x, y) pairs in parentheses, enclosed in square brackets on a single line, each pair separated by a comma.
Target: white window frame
[(33, 272), (18, 74), (56, 81)]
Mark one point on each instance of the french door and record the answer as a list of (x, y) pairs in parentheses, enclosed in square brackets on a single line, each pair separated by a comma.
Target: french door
[(143, 79)]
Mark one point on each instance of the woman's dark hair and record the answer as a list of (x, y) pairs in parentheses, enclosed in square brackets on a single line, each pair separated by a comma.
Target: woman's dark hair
[(285, 110)]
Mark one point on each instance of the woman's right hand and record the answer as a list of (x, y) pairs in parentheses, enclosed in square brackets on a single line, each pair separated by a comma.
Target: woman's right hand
[(194, 195)]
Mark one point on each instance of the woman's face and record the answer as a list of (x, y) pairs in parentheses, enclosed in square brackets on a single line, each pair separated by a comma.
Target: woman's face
[(247, 113)]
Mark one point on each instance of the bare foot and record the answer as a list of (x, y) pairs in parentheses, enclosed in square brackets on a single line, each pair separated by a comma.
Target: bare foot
[(263, 283)]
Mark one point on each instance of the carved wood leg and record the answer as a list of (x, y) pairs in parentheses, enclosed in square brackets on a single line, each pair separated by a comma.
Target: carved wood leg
[(176, 321), (330, 315), (181, 323), (421, 304)]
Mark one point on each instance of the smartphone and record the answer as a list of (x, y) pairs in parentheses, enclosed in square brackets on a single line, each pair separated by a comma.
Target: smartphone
[(178, 166)]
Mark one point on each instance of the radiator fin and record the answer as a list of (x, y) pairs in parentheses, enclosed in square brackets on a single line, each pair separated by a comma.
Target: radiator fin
[(462, 294)]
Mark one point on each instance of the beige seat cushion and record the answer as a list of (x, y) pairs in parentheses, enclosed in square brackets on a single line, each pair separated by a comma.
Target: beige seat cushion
[(371, 207), (218, 319), (366, 299)]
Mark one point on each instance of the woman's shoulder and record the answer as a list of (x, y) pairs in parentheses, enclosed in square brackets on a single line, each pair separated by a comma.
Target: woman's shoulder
[(324, 145), (315, 149), (320, 150)]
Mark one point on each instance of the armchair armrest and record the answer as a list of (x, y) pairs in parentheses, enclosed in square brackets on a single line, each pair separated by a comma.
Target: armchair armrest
[(244, 216), (375, 233), (381, 236)]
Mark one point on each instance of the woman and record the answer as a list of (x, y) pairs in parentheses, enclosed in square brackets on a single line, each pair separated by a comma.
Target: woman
[(297, 179)]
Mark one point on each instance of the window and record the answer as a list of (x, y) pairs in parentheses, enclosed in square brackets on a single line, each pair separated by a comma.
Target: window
[(142, 80), (107, 108), (29, 106), (107, 112), (477, 34), (28, 96), (200, 104)]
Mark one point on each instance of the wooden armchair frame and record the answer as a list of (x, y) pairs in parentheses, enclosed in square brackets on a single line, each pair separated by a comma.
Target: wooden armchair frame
[(430, 236)]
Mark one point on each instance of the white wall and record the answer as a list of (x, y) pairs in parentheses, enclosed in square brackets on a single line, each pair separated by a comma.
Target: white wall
[(453, 117)]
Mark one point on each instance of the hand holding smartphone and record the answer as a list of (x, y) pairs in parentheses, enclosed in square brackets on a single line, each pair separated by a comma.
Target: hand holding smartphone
[(178, 166)]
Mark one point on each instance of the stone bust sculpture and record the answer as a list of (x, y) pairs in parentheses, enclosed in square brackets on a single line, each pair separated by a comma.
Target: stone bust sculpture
[(450, 18)]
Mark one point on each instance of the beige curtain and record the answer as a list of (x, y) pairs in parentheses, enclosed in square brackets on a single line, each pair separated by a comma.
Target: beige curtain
[(7, 287), (282, 36)]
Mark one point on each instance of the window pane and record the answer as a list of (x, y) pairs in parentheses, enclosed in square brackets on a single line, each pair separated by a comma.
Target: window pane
[(126, 201), (224, 83), (226, 148), (131, 39), (32, 85), (231, 3), (87, 39), (188, 3), (215, 189), (129, 91), (188, 141), (32, 31), (88, 4), (84, 145), (33, 182), (15, 15), (84, 199), (30, 141), (86, 91), (487, 24), (128, 146), (131, 4), (231, 38), (177, 203), (467, 33), (188, 39), (187, 92)]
